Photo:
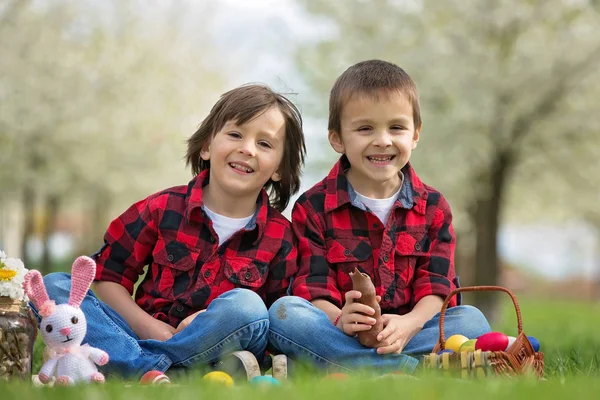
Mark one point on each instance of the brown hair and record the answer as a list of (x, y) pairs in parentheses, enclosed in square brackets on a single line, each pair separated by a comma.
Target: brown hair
[(241, 105), (372, 77)]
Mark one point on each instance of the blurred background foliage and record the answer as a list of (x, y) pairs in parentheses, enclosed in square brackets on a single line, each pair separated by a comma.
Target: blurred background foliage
[(97, 99)]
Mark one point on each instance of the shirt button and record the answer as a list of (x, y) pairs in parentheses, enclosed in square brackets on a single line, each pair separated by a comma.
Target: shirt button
[(247, 275), (418, 246), (212, 239), (385, 258), (347, 252), (180, 308), (375, 225), (170, 257), (386, 297), (206, 274)]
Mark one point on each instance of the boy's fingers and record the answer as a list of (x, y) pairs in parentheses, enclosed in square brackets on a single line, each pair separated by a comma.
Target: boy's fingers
[(354, 328), (352, 295), (386, 333), (360, 308), (378, 299), (357, 318), (395, 347)]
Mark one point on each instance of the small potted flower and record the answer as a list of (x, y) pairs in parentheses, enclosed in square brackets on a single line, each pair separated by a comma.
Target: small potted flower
[(18, 326)]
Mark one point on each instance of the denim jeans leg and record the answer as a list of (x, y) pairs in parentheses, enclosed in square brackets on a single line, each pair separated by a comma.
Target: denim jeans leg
[(236, 320), (108, 331), (303, 332), (463, 320)]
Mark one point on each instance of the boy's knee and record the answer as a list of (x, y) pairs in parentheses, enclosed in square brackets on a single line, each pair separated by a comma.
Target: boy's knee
[(247, 305), (472, 318), (58, 286), (289, 310)]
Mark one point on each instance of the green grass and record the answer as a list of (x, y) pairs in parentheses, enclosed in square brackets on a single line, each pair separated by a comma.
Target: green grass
[(567, 331)]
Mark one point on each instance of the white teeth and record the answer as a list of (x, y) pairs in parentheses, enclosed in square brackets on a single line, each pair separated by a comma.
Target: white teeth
[(241, 167), (380, 159)]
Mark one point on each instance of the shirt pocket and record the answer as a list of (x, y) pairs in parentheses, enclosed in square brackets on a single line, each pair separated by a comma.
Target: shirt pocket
[(410, 246), (177, 256), (346, 253), (173, 269), (246, 272)]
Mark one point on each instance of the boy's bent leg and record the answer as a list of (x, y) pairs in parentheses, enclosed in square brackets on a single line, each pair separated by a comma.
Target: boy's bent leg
[(236, 320), (463, 320), (108, 331), (303, 332)]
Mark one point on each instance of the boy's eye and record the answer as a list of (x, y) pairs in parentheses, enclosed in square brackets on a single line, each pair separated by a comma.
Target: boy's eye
[(265, 144), (234, 134), (364, 129), (397, 128)]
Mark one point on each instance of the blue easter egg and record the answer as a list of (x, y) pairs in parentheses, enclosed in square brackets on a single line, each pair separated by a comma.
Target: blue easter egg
[(534, 343), (264, 380), (446, 351)]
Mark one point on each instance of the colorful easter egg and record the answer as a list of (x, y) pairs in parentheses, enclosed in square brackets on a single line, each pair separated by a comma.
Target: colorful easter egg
[(154, 378), (511, 340), (264, 381), (455, 341), (469, 345), (534, 343), (336, 376), (492, 341), (219, 377)]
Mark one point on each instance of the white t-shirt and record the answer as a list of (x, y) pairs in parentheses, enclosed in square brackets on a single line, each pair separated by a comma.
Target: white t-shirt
[(381, 207), (225, 226)]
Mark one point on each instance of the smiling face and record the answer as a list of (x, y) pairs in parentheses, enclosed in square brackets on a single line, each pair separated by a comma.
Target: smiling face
[(64, 328), (243, 158), (377, 135)]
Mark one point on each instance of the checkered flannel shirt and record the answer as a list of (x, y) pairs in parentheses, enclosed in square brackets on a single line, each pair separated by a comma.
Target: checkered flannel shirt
[(187, 269), (412, 256)]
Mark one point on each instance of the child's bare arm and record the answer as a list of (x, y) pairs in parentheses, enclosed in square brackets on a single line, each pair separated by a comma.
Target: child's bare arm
[(143, 324)]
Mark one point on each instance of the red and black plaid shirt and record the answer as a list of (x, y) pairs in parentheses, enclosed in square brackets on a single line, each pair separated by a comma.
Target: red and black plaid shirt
[(409, 258), (170, 232)]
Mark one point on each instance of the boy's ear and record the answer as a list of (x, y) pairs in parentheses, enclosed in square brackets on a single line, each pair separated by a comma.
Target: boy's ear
[(336, 142), (276, 177), (205, 152), (416, 138)]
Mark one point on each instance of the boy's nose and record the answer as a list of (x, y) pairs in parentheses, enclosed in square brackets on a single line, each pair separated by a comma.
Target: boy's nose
[(248, 148), (66, 331), (383, 139)]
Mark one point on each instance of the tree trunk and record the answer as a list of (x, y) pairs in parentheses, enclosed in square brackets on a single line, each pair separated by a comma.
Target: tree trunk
[(52, 205), (487, 220), (96, 222), (28, 222)]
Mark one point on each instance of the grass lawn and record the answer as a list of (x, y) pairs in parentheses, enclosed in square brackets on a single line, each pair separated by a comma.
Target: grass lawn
[(567, 331)]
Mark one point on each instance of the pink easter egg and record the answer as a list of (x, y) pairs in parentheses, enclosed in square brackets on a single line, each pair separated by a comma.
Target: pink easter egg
[(492, 341)]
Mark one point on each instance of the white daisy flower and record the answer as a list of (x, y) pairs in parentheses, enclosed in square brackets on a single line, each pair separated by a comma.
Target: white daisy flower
[(12, 275)]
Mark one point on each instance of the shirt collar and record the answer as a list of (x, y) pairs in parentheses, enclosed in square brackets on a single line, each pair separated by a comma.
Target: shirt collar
[(339, 191), (194, 203)]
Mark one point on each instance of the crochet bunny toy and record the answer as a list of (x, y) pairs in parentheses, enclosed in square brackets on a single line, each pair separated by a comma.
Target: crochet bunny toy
[(63, 328)]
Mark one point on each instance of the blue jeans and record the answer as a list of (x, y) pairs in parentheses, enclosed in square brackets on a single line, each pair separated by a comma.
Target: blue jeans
[(304, 332), (236, 320)]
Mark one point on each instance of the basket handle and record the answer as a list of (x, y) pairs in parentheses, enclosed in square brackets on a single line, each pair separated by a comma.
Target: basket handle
[(442, 340)]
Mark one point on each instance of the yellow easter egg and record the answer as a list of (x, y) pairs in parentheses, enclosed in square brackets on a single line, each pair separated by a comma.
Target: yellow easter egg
[(219, 377), (455, 341), (469, 345)]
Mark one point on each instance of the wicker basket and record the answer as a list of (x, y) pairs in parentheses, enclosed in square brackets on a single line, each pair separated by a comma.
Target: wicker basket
[(519, 359)]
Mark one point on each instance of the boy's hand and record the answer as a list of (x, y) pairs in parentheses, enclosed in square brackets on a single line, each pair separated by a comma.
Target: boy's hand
[(397, 332), (155, 329), (188, 320), (356, 317)]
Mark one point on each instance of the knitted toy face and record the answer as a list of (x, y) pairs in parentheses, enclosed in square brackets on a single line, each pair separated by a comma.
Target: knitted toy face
[(64, 328)]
